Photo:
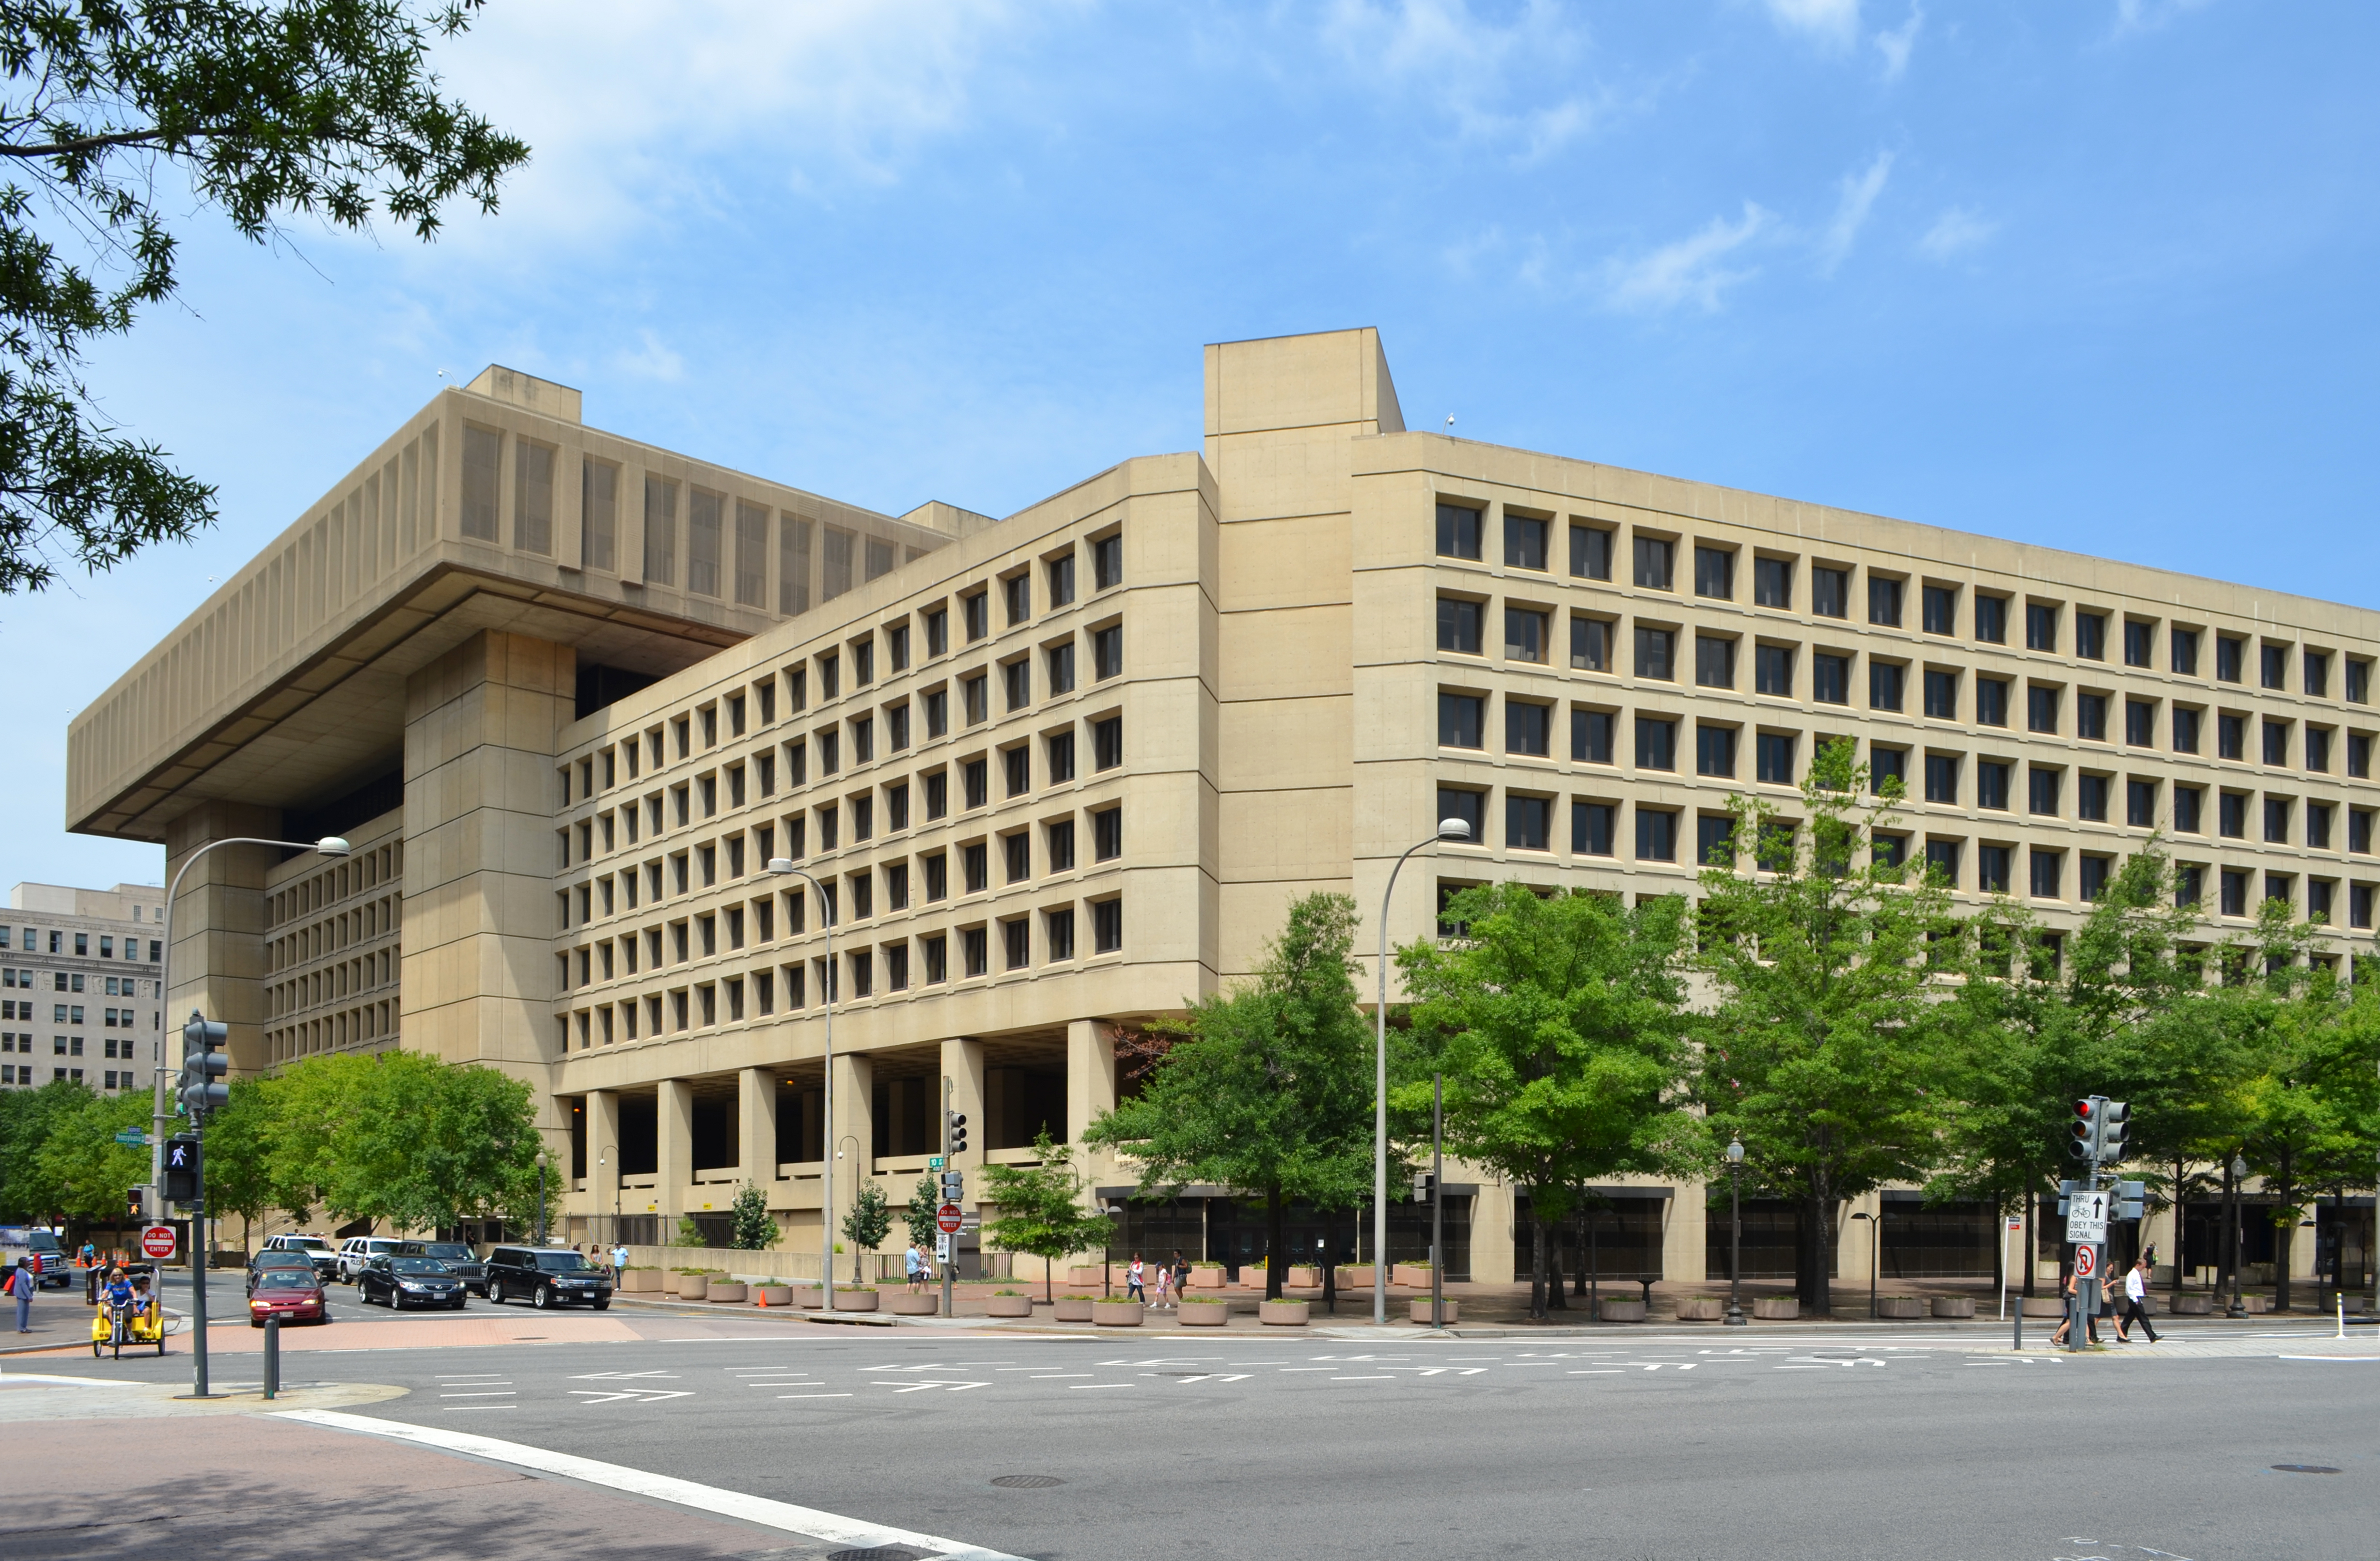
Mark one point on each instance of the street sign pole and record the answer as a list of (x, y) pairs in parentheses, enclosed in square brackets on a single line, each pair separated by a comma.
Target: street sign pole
[(950, 1246)]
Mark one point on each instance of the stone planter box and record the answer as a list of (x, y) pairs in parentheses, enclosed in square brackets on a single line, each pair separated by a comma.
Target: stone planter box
[(1702, 1309), (1009, 1306), (906, 1305), (2045, 1306), (855, 1300), (1900, 1308), (1206, 1276), (2193, 1306), (691, 1287), (1066, 1310), (2256, 1305), (1954, 1306), (1304, 1275), (1281, 1314), (1117, 1314), (1413, 1274), (640, 1281), (1202, 1314), (1355, 1276), (1419, 1310), (772, 1295), (808, 1296), (1776, 1309), (726, 1292), (1085, 1273), (1610, 1311)]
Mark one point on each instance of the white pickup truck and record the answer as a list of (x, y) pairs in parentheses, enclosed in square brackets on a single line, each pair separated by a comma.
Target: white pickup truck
[(57, 1267)]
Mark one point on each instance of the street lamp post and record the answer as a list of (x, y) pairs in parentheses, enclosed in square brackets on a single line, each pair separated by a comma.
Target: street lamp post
[(1447, 829), (1874, 1241), (2238, 1170), (330, 846), (783, 867), (1734, 1231)]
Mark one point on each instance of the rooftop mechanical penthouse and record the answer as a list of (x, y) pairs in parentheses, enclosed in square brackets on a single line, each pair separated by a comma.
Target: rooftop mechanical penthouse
[(568, 693)]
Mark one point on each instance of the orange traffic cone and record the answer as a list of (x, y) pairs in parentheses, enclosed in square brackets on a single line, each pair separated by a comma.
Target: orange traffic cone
[(760, 1294)]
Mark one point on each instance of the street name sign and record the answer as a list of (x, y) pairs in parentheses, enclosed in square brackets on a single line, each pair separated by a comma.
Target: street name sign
[(132, 1136)]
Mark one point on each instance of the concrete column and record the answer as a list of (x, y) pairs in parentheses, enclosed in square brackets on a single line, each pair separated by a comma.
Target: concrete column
[(1090, 1074), (218, 953), (673, 1146), (1685, 1250), (963, 1066), (1491, 1234), (852, 1134), (603, 1150), (756, 1125)]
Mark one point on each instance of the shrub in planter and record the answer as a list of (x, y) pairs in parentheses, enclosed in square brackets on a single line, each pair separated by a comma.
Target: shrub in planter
[(1304, 1275), (1419, 1310), (853, 1297), (808, 1296), (1009, 1303), (691, 1286), (1197, 1313), (1282, 1313), (1415, 1275), (1355, 1276), (1117, 1314), (640, 1281), (1206, 1276), (773, 1295), (1073, 1308)]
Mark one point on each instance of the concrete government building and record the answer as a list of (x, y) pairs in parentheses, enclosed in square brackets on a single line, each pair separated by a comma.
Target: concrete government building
[(568, 693)]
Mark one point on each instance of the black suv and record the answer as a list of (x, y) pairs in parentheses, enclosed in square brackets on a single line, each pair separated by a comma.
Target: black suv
[(459, 1258), (547, 1275)]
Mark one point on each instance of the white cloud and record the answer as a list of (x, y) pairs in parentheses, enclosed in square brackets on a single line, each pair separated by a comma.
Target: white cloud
[(653, 361), (2147, 16), (1689, 271), (1896, 44), (1956, 231), (1474, 69), (1830, 21), (1856, 198)]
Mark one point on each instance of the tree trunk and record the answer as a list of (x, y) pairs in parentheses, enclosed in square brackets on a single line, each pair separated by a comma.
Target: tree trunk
[(1578, 1281), (1048, 1286), (2284, 1230), (1554, 1301), (1329, 1264), (1276, 1264), (2180, 1225), (1536, 1263), (1814, 1264)]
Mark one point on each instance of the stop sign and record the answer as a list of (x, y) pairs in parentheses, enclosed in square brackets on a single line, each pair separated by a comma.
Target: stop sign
[(947, 1218), (157, 1242)]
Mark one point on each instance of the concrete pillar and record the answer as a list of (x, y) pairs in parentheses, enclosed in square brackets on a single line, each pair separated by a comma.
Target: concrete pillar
[(1090, 1074), (217, 962), (963, 1066), (1685, 1228), (603, 1150), (1491, 1233), (673, 1147), (756, 1125), (853, 1132)]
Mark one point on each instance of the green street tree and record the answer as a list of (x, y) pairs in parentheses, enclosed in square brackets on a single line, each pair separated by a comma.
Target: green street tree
[(259, 110), (28, 1118), (238, 1157), (867, 1226), (753, 1229), (82, 1169), (1042, 1213), (1271, 1091), (1822, 1038), (1559, 1025), (925, 1204)]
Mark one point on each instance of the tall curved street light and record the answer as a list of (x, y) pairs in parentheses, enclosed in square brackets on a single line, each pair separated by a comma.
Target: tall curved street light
[(330, 846), (783, 867), (1734, 1231), (1447, 829)]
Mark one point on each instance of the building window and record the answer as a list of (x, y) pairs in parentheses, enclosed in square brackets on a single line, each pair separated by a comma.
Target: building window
[(2090, 636), (1107, 835), (1106, 561), (1714, 662), (1061, 673), (1016, 943), (2189, 806), (1524, 542), (2319, 901), (2317, 838), (2047, 869), (1884, 681), (2185, 730), (974, 782), (1942, 695), (1017, 856), (1656, 743), (1772, 582), (1590, 644), (1528, 822), (1471, 807), (2358, 831), (1942, 777), (2281, 886), (1106, 650), (1061, 573), (1016, 683), (2141, 803), (1590, 552), (2040, 708), (1058, 934), (1992, 870), (1992, 785), (1460, 721), (1458, 531), (1991, 702), (1591, 828), (1774, 756), (2228, 652), (1458, 626), (482, 454), (2359, 905), (1713, 749), (2040, 627), (2140, 640), (1653, 563), (974, 952), (2276, 742), (2235, 892), (2231, 816), (1657, 835), (2140, 723), (2183, 644), (1830, 591), (1655, 653), (1107, 743), (1591, 735), (1942, 860), (2317, 749), (2041, 789), (1886, 766), (1883, 602), (2094, 881), (1991, 619), (1016, 595), (1714, 573), (2275, 665), (1525, 635), (2189, 886), (1714, 840), (1940, 609), (2091, 798), (1830, 678), (2277, 820), (2231, 737), (975, 697), (977, 608), (1772, 670), (1528, 728)]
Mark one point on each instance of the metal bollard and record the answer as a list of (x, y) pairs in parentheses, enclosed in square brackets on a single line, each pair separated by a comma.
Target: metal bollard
[(272, 1356)]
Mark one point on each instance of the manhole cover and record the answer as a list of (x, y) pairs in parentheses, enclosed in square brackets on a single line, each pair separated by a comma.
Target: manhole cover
[(2305, 1468), (880, 1552), (1027, 1482)]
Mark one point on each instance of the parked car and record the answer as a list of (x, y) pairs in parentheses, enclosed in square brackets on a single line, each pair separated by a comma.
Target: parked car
[(277, 1259), (290, 1293), (318, 1251), (402, 1281), (360, 1249), (460, 1261), (47, 1252), (546, 1278)]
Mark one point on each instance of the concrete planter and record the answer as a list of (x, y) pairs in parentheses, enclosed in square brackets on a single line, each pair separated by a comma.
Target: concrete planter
[(2193, 1306), (2256, 1305), (808, 1296), (1206, 1276), (1009, 1306), (1281, 1314), (906, 1305), (1702, 1309), (640, 1281), (1419, 1310), (772, 1295), (1117, 1314), (1083, 1275), (1900, 1308), (1203, 1314), (1355, 1276), (855, 1300), (1415, 1275), (1954, 1306), (1610, 1311), (691, 1287), (726, 1292), (1304, 1275), (1070, 1310), (2045, 1306), (1776, 1309)]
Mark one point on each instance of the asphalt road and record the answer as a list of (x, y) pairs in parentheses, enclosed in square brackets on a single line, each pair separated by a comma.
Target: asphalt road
[(1641, 1449)]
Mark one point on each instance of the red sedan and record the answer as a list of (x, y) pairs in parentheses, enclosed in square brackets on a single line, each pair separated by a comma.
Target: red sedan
[(293, 1295)]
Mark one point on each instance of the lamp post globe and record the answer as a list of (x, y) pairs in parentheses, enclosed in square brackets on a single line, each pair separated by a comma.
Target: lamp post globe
[(1735, 1232)]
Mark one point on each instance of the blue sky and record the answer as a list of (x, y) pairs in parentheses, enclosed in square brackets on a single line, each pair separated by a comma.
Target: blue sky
[(2097, 272)]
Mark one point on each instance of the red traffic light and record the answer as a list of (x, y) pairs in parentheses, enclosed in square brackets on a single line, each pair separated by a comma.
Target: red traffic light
[(2083, 1109)]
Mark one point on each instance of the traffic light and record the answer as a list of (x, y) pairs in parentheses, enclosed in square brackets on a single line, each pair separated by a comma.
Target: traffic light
[(136, 1207), (953, 1186), (2084, 1144), (203, 1066), (1424, 1185), (182, 1168), (957, 1133), (2113, 1120), (2131, 1199)]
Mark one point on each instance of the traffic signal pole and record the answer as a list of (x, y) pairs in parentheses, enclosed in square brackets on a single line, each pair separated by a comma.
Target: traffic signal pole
[(950, 1258)]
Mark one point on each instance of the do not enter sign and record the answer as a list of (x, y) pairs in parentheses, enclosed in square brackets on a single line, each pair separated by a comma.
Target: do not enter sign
[(947, 1218), (157, 1242)]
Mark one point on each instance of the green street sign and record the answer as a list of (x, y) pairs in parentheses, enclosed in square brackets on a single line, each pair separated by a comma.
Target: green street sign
[(934, 1162), (133, 1136)]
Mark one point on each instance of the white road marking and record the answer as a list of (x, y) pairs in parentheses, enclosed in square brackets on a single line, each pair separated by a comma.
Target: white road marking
[(833, 1527), (494, 1392), (636, 1395), (1363, 1379), (1080, 1386), (813, 1395)]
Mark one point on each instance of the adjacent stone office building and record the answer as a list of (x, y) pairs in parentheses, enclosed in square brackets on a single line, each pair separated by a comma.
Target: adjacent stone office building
[(79, 998), (569, 694)]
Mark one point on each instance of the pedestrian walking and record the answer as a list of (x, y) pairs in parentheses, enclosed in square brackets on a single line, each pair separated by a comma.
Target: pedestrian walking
[(915, 1261), (2091, 1324), (22, 1281), (2136, 1303), (619, 1257), (1181, 1277), (1133, 1288)]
